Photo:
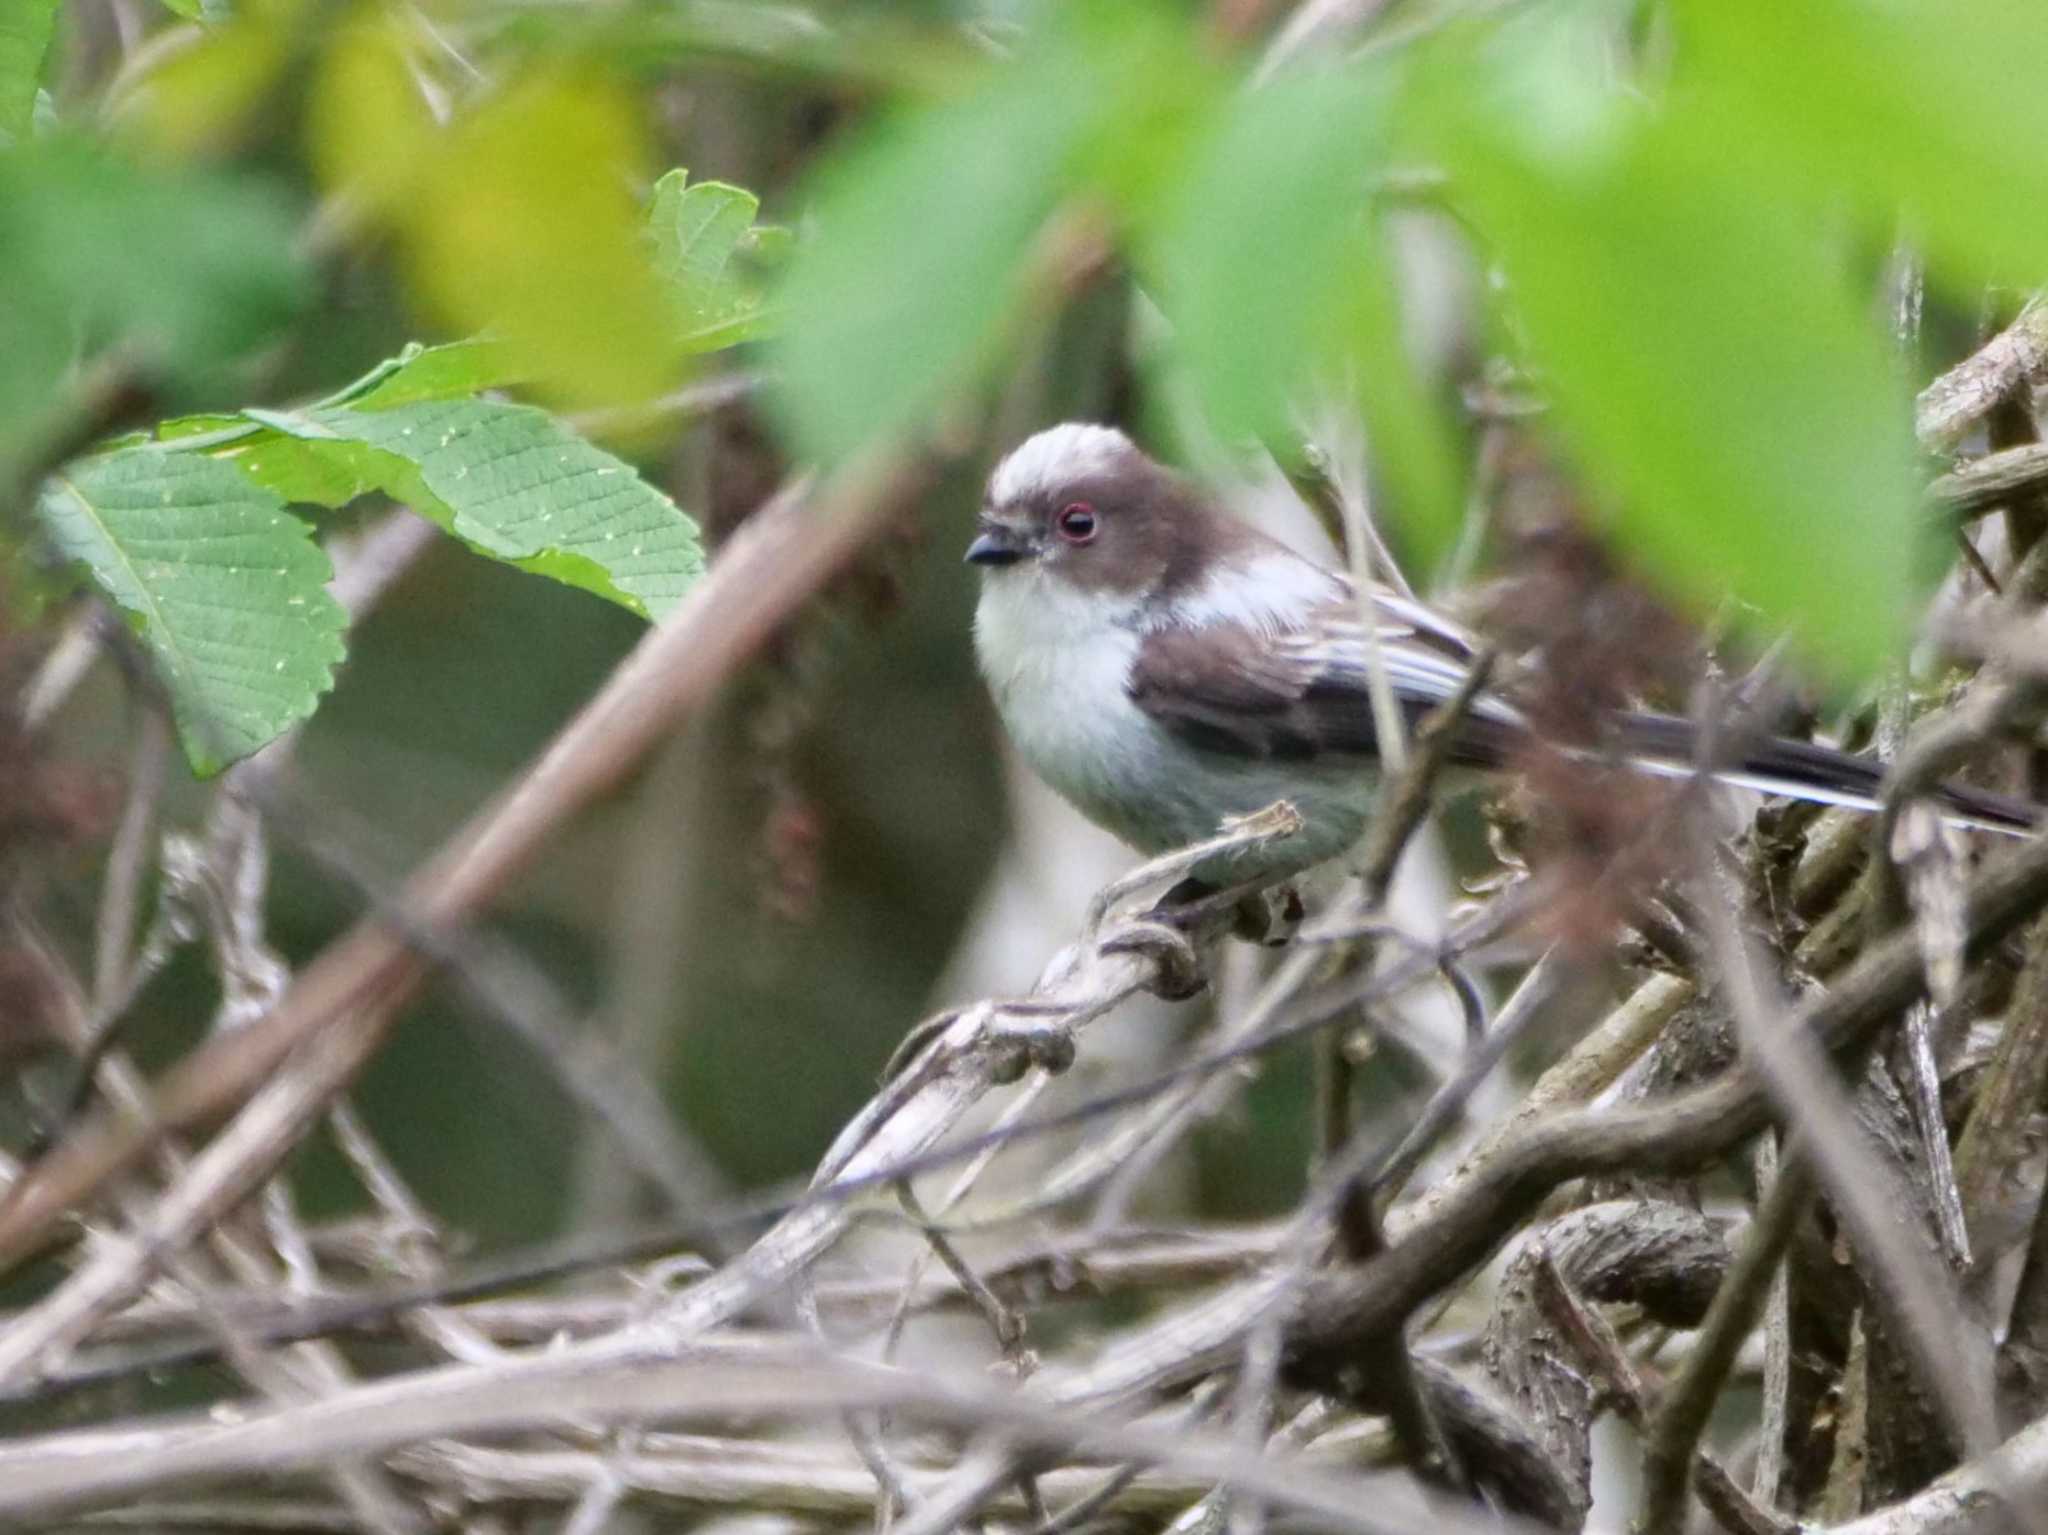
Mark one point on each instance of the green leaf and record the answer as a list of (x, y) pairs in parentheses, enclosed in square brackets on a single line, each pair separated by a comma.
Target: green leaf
[(214, 275), (925, 223), (1706, 356), (521, 223), (439, 373), (206, 422), (200, 100), (698, 231), (1930, 115), (1276, 281), (226, 588), (510, 481), (25, 27)]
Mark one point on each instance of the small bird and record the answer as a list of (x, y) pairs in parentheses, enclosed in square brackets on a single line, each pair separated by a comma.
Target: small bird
[(1166, 667)]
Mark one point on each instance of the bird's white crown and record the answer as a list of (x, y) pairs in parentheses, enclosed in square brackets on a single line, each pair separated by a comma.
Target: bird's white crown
[(1059, 455)]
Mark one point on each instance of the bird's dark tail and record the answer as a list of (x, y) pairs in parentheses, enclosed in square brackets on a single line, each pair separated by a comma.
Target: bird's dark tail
[(1664, 744)]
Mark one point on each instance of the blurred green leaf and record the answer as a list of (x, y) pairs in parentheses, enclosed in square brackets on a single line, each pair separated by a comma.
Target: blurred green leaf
[(198, 100), (1408, 433), (1705, 355), (225, 587), (1275, 278), (1930, 115), (926, 221), (1253, 257), (25, 27), (214, 275), (510, 481), (698, 231)]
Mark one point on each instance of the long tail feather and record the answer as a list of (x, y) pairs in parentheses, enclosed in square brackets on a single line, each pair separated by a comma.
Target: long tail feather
[(1663, 744)]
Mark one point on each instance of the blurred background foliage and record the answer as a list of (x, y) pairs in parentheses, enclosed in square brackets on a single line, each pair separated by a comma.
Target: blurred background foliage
[(1668, 221)]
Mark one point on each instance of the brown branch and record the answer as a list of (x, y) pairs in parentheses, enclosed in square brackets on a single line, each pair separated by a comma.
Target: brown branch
[(1593, 1342), (1671, 1442)]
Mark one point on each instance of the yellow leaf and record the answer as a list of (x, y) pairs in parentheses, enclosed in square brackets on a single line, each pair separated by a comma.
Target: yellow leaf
[(368, 131), (524, 222), (198, 101)]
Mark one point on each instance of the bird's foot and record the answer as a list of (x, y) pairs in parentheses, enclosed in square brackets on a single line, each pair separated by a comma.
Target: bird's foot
[(1269, 917), (1178, 973)]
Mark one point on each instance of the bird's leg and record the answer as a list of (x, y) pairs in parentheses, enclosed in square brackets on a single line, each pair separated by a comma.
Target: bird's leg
[(1183, 905), (1269, 917), (1165, 931), (1264, 916), (1179, 967)]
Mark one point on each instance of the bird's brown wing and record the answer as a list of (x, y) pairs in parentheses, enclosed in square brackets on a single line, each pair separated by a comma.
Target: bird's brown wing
[(1300, 693)]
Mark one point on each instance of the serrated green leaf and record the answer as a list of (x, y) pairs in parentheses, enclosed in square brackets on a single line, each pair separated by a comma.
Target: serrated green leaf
[(696, 228), (510, 481), (25, 27), (1708, 361), (703, 233), (226, 588)]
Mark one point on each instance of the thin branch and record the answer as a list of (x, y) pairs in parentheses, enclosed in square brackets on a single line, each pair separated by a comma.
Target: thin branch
[(1951, 1359), (1671, 1440), (53, 1473), (1954, 403)]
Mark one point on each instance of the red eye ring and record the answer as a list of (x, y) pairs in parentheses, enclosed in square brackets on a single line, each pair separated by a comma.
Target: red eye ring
[(1077, 522)]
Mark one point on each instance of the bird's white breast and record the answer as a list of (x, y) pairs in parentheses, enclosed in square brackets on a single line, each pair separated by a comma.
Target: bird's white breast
[(1058, 662)]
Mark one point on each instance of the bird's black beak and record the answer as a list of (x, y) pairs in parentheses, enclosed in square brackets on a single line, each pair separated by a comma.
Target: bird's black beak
[(996, 544)]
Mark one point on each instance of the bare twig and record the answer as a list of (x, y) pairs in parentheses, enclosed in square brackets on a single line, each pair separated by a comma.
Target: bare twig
[(1951, 1360), (64, 1471), (1950, 406), (1671, 1441)]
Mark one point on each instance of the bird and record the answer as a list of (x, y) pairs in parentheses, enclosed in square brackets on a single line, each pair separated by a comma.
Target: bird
[(1166, 667)]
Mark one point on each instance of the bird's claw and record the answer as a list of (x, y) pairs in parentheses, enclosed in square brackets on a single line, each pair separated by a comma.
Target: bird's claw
[(1178, 967), (1269, 917)]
